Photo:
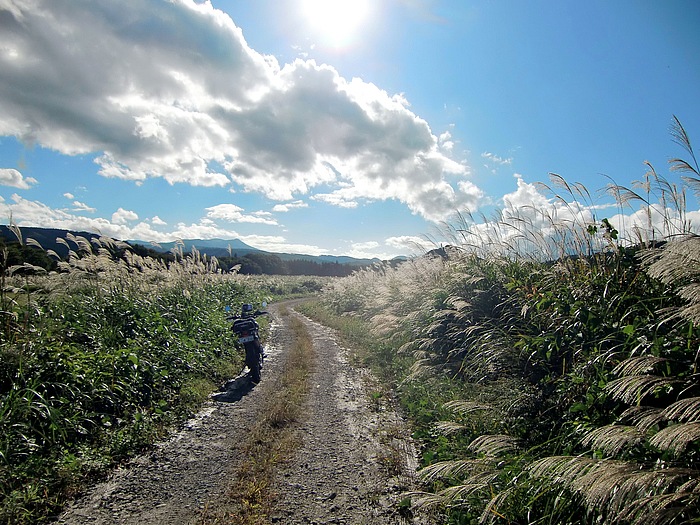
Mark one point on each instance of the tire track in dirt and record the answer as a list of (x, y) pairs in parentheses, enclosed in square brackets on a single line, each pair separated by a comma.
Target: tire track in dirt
[(354, 461), (352, 464)]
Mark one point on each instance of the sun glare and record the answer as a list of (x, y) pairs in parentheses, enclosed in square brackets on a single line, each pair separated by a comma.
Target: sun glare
[(336, 21)]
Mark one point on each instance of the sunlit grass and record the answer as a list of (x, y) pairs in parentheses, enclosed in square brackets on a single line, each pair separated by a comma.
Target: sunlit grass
[(548, 357)]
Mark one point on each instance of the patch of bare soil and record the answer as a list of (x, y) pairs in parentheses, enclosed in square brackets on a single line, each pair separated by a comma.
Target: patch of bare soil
[(353, 462)]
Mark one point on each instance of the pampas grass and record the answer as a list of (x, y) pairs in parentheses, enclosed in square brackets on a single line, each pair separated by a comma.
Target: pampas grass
[(592, 321)]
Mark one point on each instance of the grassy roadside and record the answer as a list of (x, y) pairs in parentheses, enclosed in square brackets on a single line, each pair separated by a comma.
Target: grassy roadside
[(272, 439), (104, 357)]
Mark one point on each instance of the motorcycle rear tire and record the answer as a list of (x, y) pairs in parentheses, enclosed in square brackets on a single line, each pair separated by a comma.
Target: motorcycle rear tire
[(252, 358)]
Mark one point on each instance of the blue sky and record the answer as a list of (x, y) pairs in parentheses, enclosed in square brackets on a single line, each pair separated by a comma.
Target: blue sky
[(336, 127)]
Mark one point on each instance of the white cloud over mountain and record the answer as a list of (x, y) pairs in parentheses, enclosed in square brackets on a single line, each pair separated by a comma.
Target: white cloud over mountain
[(172, 90)]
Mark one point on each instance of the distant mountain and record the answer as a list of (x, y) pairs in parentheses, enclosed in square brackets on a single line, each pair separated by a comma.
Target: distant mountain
[(45, 236), (338, 259), (211, 247), (220, 248)]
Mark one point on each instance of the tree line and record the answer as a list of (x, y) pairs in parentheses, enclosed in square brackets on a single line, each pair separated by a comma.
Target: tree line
[(257, 263)]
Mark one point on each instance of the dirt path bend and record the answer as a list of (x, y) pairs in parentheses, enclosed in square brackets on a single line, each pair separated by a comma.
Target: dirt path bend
[(354, 459)]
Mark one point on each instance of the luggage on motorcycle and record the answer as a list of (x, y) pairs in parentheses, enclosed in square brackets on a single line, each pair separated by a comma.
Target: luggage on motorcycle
[(244, 325)]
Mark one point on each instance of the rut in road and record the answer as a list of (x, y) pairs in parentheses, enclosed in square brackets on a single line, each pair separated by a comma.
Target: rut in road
[(352, 462)]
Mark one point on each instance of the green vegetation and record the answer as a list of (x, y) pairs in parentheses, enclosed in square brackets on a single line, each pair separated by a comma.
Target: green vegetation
[(100, 357), (550, 367)]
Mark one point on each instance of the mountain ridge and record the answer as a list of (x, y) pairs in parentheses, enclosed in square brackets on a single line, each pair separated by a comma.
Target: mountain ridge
[(211, 247), (220, 248)]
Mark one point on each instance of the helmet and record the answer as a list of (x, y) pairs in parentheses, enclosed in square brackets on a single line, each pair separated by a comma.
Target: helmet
[(246, 308)]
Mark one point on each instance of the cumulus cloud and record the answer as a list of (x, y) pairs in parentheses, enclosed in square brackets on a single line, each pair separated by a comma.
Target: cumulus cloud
[(445, 141), (369, 245), (35, 213), (653, 223), (13, 178), (407, 244), (536, 221), (122, 216), (172, 90), (366, 250), (233, 213), (123, 226)]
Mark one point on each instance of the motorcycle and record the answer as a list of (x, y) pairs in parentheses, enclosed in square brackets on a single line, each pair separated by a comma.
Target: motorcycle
[(246, 329)]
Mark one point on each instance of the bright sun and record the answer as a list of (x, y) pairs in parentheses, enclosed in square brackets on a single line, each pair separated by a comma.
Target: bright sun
[(337, 21)]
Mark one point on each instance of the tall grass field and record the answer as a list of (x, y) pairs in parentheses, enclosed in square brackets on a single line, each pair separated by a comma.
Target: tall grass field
[(100, 358), (548, 359)]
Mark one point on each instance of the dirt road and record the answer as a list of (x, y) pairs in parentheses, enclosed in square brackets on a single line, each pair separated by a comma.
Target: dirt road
[(352, 463)]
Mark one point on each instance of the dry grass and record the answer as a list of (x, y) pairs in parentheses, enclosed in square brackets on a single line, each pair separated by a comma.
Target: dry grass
[(272, 440)]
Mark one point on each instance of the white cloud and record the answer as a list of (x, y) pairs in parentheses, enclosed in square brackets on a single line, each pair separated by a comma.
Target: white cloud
[(407, 244), (233, 213), (158, 221), (279, 244), (363, 253), (445, 141), (172, 90), (37, 212), (14, 179), (69, 196), (283, 208), (652, 223), (369, 250), (34, 213), (122, 216), (369, 245), (336, 199), (534, 220), (81, 206), (124, 227), (526, 195)]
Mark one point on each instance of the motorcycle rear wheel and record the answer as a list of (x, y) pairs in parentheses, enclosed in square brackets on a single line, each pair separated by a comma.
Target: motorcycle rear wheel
[(253, 358)]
